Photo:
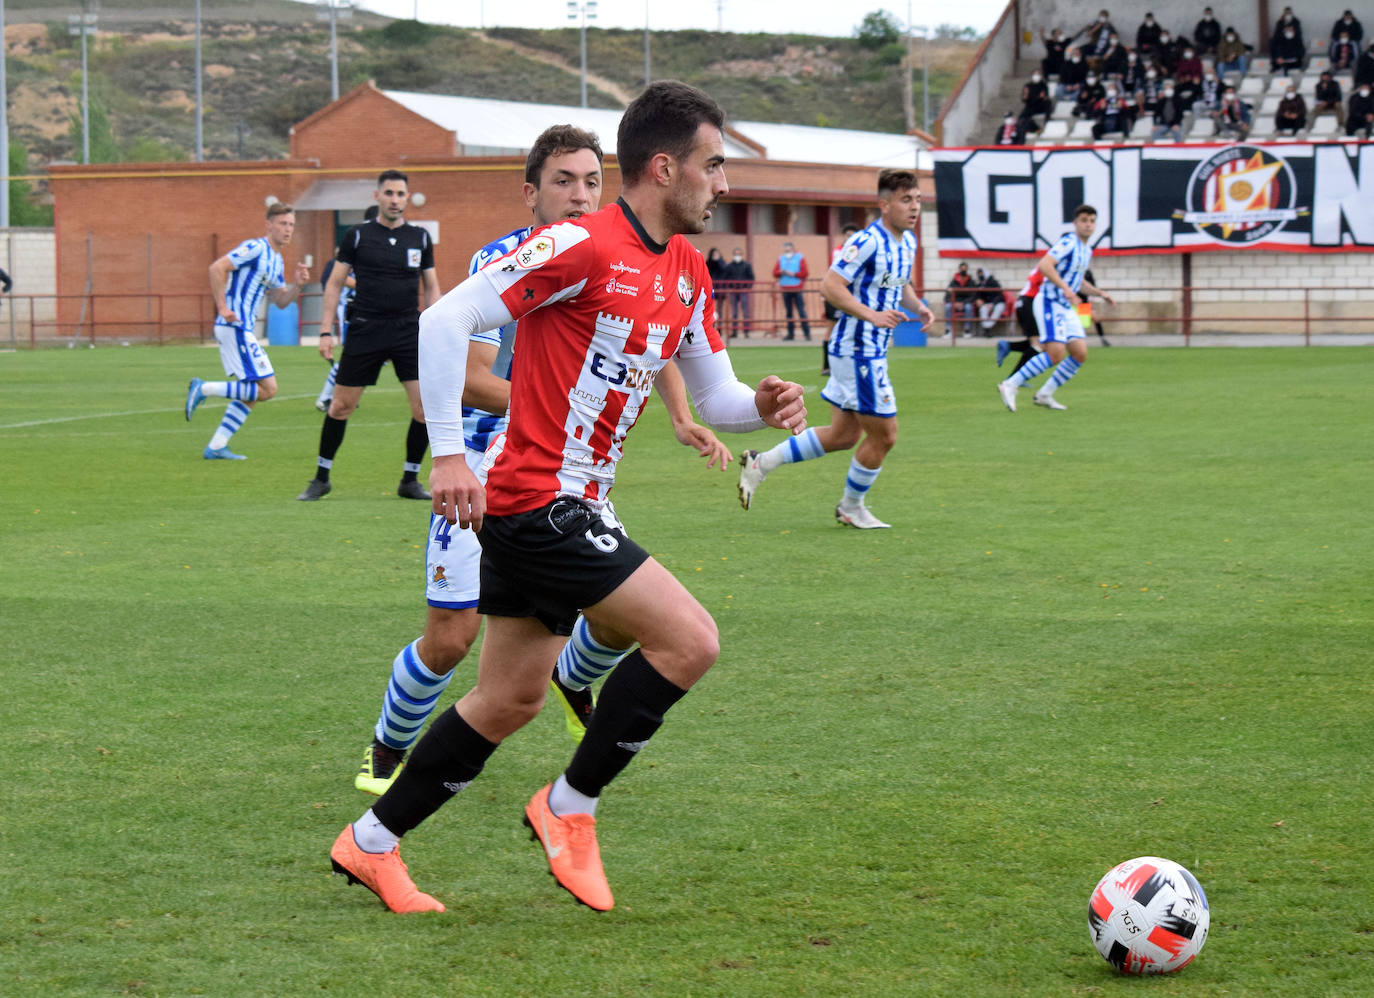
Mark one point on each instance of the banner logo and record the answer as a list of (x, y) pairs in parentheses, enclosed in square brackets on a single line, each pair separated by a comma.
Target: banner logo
[(1241, 195)]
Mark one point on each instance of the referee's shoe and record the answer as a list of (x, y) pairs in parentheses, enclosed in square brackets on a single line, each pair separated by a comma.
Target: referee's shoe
[(410, 488)]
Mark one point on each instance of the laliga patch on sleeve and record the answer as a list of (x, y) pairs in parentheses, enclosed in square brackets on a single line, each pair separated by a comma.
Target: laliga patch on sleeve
[(535, 253), (412, 258), (851, 253)]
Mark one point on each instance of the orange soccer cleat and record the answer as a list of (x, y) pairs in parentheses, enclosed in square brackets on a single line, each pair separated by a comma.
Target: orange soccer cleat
[(570, 845), (382, 873)]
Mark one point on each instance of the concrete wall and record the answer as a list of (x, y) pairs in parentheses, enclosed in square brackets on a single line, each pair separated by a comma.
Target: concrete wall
[(995, 60)]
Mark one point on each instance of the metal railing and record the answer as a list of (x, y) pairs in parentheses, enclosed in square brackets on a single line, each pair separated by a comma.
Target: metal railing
[(755, 310)]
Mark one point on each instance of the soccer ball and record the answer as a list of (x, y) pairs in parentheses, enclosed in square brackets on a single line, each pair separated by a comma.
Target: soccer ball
[(1148, 916)]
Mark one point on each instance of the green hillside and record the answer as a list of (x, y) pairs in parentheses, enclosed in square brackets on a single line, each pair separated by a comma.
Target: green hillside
[(266, 66)]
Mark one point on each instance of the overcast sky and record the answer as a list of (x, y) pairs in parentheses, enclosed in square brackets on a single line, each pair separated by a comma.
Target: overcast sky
[(837, 18)]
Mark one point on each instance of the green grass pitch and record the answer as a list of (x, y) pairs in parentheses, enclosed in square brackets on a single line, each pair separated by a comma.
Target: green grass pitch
[(1140, 626)]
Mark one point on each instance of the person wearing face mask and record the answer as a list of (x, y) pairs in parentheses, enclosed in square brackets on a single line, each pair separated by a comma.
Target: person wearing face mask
[(1147, 95), (1231, 54), (1114, 114), (1147, 36), (1207, 33), (1071, 75), (1092, 92), (1166, 54), (1118, 61), (1035, 97), (1343, 53), (1291, 115), (1012, 131), (739, 283), (1286, 50), (960, 297), (1360, 115), (1169, 115), (1099, 33), (1209, 94), (1350, 25), (1288, 21), (1233, 116), (1328, 99), (1188, 64), (1364, 67), (1055, 47)]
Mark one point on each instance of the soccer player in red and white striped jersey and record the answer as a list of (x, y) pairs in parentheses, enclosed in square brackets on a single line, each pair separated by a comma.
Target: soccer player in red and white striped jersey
[(604, 302)]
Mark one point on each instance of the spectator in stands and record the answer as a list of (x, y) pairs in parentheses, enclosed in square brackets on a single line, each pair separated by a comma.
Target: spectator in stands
[(1291, 115), (1035, 97), (1092, 92), (1055, 47), (1187, 88), (1286, 50), (1327, 99), (1147, 36), (992, 303), (1231, 54), (1100, 33), (1117, 61), (1147, 96), (1169, 115), (1012, 131), (1288, 21), (1352, 27), (959, 297), (1344, 53), (1134, 77), (1114, 114), (1364, 68), (1233, 116), (1166, 54), (1360, 117), (1188, 64), (1209, 94), (1207, 34), (1071, 75)]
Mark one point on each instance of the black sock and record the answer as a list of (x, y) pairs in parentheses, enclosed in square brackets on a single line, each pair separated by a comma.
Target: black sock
[(445, 760), (331, 436), (628, 712), (417, 439)]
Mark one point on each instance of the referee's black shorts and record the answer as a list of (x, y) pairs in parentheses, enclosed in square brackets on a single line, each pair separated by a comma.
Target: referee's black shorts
[(374, 340), (550, 562)]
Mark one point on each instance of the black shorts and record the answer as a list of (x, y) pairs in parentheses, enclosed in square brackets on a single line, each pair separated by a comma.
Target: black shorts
[(374, 340), (551, 562), (1025, 317)]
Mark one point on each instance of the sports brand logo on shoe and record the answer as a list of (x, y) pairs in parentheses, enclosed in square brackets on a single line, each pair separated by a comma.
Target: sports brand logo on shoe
[(553, 851)]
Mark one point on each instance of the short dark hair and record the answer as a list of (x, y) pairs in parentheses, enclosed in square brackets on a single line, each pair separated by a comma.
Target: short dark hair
[(386, 175), (1084, 209), (555, 141), (279, 208), (891, 182), (664, 118), (370, 212)]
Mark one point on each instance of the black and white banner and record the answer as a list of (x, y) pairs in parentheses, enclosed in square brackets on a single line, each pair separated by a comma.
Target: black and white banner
[(1297, 197)]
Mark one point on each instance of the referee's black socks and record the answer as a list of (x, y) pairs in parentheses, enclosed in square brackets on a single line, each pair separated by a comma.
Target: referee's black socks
[(417, 439)]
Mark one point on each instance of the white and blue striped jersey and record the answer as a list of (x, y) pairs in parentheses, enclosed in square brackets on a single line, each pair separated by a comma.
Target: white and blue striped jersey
[(1072, 256), (257, 267), (877, 266), (480, 426)]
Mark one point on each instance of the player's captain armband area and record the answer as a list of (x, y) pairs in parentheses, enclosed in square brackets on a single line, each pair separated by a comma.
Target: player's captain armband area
[(1158, 199)]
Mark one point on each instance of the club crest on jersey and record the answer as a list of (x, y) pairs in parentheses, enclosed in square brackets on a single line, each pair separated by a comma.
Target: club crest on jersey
[(535, 253), (686, 289)]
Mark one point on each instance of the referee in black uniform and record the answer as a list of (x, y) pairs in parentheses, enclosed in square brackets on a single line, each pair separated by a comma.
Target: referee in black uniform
[(392, 263)]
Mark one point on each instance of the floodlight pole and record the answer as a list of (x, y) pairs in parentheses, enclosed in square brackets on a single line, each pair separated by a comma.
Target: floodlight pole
[(647, 76), (4, 133), (583, 11), (83, 24)]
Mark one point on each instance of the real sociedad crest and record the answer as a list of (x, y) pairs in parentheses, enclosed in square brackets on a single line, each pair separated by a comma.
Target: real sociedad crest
[(1241, 195)]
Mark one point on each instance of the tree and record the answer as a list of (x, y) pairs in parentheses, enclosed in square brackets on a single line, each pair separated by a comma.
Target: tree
[(879, 28), (24, 207), (104, 148)]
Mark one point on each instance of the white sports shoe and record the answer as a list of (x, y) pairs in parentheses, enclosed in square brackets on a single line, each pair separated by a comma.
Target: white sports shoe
[(1049, 401), (1008, 393), (751, 476), (859, 516)]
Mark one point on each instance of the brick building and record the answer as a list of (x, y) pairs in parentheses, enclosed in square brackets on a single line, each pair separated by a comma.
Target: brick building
[(133, 241)]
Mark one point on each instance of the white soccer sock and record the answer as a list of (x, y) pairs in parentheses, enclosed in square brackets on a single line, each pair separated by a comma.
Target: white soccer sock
[(234, 415), (563, 799), (583, 660), (372, 836), (858, 482), (244, 391), (803, 447)]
